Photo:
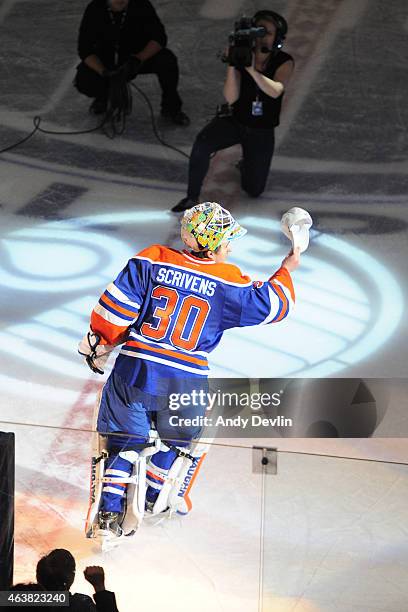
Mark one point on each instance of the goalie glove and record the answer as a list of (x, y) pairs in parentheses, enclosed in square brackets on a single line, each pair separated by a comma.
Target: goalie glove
[(95, 354)]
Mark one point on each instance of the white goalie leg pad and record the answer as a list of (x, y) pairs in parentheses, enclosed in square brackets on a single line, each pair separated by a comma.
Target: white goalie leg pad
[(99, 455), (174, 493), (136, 482), (136, 489)]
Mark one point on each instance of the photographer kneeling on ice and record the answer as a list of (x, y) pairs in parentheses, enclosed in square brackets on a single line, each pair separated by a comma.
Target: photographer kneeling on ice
[(257, 75)]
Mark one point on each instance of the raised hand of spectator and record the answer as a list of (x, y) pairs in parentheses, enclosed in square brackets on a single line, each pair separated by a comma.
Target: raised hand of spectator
[(96, 576)]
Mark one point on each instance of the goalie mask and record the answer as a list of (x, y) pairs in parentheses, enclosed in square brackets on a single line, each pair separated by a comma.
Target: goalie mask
[(206, 226)]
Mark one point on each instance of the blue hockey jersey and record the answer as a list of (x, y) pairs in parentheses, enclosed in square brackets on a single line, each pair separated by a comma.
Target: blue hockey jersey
[(171, 308)]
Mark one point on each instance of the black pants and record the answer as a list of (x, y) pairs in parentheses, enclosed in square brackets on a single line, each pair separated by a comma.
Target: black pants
[(221, 133), (164, 64)]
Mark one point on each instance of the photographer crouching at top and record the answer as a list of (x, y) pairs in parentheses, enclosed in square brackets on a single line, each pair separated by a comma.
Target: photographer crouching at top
[(119, 39), (257, 75)]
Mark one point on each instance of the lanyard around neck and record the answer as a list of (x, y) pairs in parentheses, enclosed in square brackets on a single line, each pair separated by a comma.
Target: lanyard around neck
[(117, 24)]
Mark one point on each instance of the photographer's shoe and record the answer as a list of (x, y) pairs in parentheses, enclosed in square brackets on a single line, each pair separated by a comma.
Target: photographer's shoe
[(179, 117), (98, 106), (183, 205)]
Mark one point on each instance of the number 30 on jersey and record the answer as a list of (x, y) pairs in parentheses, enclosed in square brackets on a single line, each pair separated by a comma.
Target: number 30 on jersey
[(183, 330)]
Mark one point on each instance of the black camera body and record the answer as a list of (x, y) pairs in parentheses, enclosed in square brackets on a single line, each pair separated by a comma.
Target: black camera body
[(242, 42)]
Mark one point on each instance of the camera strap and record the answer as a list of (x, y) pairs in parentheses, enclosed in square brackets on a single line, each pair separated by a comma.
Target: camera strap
[(118, 25)]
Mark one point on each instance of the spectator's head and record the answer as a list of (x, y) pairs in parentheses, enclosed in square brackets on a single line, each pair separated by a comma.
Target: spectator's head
[(117, 6), (56, 571)]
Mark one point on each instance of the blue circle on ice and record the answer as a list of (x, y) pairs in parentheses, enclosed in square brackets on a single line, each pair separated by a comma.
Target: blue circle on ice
[(347, 303)]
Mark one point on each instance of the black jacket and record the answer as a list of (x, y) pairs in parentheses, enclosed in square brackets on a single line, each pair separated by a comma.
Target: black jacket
[(103, 32), (249, 92), (105, 602)]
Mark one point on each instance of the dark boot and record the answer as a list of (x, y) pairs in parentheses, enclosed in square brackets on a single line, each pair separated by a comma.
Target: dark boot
[(98, 106), (179, 117), (183, 205)]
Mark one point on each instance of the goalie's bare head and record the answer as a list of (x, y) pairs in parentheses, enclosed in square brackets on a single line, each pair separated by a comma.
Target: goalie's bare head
[(207, 230)]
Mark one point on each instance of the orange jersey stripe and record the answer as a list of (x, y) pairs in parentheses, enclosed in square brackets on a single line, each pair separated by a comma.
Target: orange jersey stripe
[(284, 299), (109, 333), (124, 311), (283, 276), (162, 351)]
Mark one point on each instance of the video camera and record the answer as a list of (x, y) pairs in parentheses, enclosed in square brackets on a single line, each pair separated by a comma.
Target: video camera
[(242, 42)]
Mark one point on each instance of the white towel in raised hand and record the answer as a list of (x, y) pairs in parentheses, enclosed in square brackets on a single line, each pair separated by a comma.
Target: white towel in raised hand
[(295, 224)]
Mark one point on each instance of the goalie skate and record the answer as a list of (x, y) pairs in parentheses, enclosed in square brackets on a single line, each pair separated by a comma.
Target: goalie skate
[(109, 533)]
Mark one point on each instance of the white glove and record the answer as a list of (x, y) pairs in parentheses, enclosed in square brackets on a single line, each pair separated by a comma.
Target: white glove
[(295, 224), (96, 354)]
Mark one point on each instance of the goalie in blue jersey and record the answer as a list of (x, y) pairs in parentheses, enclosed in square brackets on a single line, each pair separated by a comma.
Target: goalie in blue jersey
[(168, 309)]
